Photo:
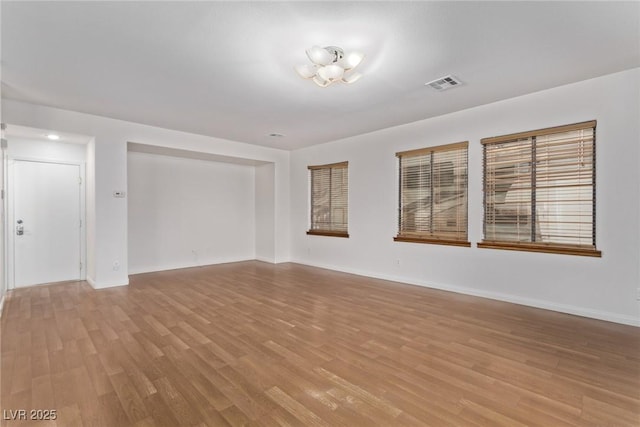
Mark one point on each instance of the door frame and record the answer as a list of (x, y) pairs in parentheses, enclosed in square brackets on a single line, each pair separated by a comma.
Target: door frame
[(10, 223)]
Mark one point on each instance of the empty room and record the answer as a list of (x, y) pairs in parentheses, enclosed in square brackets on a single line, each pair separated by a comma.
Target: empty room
[(394, 213)]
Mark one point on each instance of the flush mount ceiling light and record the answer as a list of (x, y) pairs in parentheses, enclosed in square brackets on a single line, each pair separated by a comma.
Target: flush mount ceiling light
[(53, 136), (329, 65)]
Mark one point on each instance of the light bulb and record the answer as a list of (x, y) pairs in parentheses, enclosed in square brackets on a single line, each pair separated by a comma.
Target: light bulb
[(306, 71), (331, 72), (319, 56), (352, 60)]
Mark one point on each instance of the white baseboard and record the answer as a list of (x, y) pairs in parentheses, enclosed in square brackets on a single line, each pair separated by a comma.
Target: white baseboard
[(531, 302), (2, 304), (265, 259), (178, 266), (105, 285)]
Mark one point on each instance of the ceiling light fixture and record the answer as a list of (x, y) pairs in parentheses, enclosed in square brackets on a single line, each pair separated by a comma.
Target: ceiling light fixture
[(329, 65), (53, 136)]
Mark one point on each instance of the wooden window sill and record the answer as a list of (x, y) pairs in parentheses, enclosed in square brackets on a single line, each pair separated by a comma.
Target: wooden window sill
[(328, 233), (432, 241), (532, 247)]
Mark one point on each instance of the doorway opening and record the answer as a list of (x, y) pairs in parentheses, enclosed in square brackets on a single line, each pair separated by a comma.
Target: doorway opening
[(45, 205)]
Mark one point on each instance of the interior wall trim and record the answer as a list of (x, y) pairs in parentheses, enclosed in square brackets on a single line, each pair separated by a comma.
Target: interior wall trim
[(105, 285), (530, 302), (178, 266)]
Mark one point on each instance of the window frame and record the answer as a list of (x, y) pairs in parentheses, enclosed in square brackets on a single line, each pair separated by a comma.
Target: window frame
[(432, 237), (545, 247), (326, 232)]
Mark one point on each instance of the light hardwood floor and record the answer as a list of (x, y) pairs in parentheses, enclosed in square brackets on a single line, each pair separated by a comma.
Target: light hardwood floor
[(256, 344)]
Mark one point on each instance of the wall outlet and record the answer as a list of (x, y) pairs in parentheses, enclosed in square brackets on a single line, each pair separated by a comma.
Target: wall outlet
[(116, 265)]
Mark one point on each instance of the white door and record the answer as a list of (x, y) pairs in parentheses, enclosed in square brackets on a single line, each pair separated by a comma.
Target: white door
[(46, 222)]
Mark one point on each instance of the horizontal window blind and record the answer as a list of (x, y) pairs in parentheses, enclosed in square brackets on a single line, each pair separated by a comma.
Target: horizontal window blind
[(329, 199), (539, 190), (433, 195)]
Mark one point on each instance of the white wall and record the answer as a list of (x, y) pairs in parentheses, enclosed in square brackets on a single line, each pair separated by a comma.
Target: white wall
[(3, 273), (186, 213), (90, 208), (597, 287), (109, 214), (265, 212), (3, 218), (46, 150)]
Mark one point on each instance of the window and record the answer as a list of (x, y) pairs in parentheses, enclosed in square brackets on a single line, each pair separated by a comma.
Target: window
[(433, 195), (329, 200), (539, 191)]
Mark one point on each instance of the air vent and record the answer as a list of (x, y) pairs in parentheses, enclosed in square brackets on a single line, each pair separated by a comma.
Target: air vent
[(444, 83)]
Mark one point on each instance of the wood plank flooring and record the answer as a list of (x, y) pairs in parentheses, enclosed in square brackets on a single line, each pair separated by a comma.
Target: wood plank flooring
[(286, 345)]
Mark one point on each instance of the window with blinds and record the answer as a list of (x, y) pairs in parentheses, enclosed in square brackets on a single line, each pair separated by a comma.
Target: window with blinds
[(329, 200), (433, 195), (539, 190)]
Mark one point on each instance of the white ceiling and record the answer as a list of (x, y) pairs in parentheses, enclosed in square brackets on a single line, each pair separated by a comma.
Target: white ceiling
[(225, 69)]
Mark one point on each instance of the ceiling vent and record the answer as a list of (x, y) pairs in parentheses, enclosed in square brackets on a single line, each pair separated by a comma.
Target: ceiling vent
[(444, 83)]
